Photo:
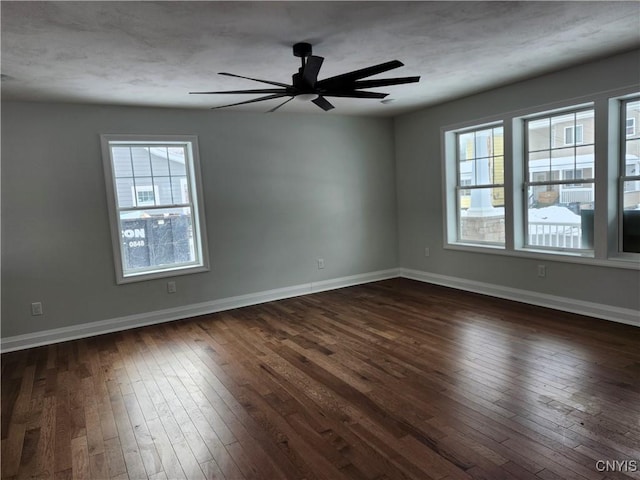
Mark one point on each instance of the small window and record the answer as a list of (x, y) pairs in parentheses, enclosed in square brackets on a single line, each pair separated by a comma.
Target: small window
[(155, 203), (573, 135), (630, 127)]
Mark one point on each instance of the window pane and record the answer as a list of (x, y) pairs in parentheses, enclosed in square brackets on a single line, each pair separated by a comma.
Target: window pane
[(539, 134), (498, 142), (562, 159), (156, 238), (539, 162), (121, 162), (177, 160), (124, 192), (631, 217), (560, 217), (585, 127), (633, 153), (497, 170), (159, 161), (144, 191), (180, 189), (465, 146), (141, 161), (632, 119), (483, 143), (561, 127), (465, 170), (481, 219), (163, 187), (585, 160)]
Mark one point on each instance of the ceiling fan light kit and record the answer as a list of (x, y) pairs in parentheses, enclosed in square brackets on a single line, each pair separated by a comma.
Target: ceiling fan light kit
[(305, 85)]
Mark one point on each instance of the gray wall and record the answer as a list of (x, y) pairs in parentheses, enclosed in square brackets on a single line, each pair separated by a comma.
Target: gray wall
[(420, 196), (280, 191)]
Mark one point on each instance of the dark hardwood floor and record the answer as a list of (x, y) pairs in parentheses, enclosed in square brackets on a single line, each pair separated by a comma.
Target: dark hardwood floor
[(390, 380)]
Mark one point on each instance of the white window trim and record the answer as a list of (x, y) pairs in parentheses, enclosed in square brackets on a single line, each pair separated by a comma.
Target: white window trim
[(198, 220), (606, 253)]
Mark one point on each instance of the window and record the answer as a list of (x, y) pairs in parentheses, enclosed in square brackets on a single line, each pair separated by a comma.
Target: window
[(146, 195), (573, 134), (480, 185), (559, 181), (524, 183), (155, 202), (630, 177)]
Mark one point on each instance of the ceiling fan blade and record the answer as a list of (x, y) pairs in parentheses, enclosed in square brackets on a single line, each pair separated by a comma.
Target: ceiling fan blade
[(384, 82), (276, 108), (311, 69), (268, 97), (261, 90), (277, 84), (354, 94), (323, 103), (347, 79)]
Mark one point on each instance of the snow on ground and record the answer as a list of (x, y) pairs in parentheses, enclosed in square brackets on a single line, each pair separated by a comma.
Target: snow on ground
[(553, 214)]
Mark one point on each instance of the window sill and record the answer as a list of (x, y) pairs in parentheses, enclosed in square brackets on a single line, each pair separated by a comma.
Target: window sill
[(174, 272), (626, 261)]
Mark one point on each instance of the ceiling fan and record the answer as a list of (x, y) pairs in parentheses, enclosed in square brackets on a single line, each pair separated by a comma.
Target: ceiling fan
[(306, 86)]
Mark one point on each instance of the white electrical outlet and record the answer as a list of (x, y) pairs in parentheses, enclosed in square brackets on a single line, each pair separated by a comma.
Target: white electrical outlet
[(171, 287), (542, 271), (36, 308), (320, 263), (426, 251)]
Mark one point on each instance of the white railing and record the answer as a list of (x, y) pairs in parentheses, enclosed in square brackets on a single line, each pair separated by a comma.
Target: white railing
[(561, 235), (576, 195)]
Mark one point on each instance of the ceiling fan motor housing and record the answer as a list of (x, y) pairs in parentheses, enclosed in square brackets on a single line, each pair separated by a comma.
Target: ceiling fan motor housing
[(302, 49)]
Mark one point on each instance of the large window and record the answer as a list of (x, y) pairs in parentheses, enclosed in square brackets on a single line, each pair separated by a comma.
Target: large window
[(155, 205), (560, 180), (630, 176), (480, 185)]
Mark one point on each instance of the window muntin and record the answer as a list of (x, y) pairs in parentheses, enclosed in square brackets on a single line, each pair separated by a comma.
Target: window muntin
[(630, 177), (156, 214), (560, 181), (480, 186)]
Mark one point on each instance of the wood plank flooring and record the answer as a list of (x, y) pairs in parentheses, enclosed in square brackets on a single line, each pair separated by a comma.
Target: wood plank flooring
[(389, 380)]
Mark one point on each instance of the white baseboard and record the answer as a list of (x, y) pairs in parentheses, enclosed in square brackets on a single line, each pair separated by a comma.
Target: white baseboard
[(591, 309), (47, 337), (57, 335)]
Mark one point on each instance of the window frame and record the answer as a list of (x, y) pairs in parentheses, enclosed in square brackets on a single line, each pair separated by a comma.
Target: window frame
[(453, 177), (560, 181), (623, 177), (195, 203), (606, 171)]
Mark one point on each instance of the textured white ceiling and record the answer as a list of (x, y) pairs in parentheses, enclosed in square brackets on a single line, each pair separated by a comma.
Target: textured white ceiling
[(153, 54)]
